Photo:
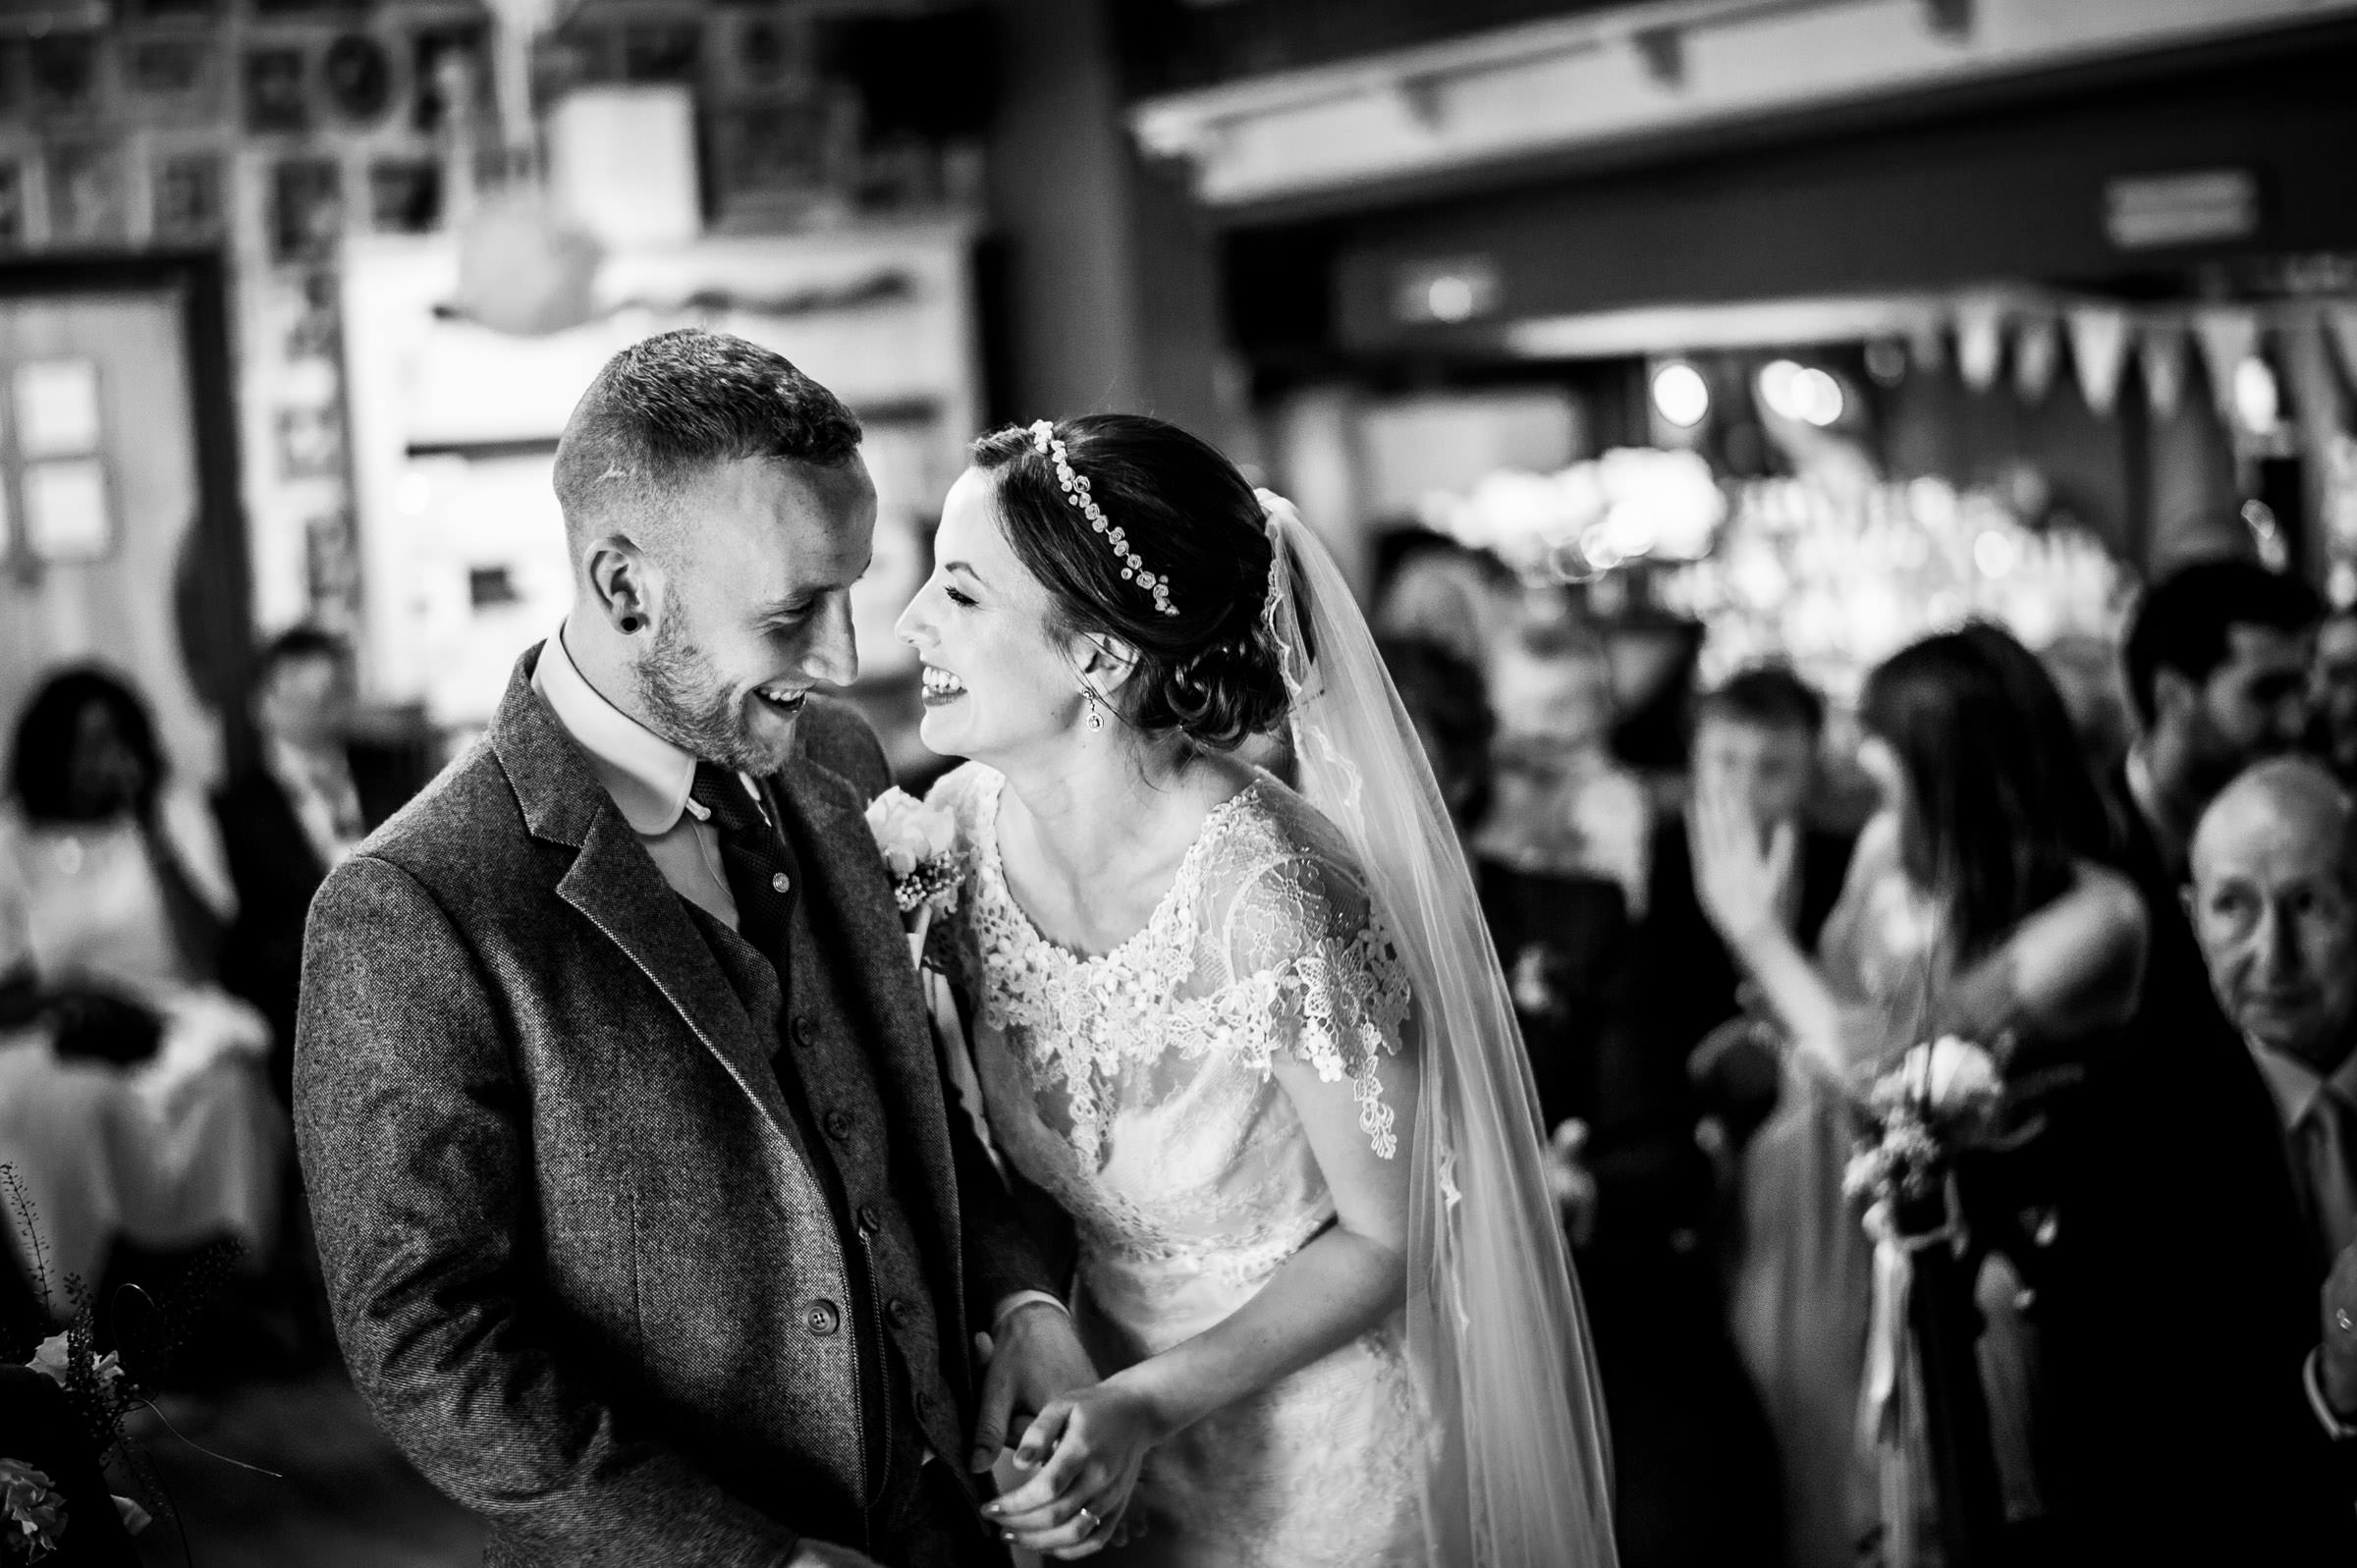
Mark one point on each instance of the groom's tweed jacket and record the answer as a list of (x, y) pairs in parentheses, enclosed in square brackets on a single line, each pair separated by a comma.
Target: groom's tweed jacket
[(582, 1266)]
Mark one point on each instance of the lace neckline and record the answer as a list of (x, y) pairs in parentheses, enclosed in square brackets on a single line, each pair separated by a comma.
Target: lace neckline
[(1172, 900)]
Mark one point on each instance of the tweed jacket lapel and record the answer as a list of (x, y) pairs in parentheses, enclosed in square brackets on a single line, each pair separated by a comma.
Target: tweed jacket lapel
[(851, 903), (617, 887)]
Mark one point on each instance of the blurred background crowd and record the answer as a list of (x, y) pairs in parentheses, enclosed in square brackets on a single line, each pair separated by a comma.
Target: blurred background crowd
[(1860, 498)]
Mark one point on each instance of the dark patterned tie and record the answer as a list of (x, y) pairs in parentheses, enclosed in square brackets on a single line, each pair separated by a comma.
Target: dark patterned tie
[(759, 865)]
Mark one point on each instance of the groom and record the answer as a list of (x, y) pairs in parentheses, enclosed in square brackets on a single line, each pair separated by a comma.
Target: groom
[(647, 1236)]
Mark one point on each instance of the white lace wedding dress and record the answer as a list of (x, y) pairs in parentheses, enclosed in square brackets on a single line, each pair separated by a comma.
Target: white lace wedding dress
[(1135, 1089)]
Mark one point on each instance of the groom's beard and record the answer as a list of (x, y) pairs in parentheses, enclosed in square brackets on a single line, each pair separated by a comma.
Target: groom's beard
[(688, 705)]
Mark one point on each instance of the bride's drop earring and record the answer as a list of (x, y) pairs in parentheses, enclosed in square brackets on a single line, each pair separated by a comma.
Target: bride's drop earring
[(1096, 713)]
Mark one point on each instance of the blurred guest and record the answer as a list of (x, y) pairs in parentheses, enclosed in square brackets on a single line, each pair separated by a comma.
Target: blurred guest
[(1976, 903), (2086, 671), (1695, 1465), (1756, 740), (2333, 695), (2274, 909), (128, 1100), (1443, 694), (292, 816), (1562, 805), (2218, 655), (1448, 596)]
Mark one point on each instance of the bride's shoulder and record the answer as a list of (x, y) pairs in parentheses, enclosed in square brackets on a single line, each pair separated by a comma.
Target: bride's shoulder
[(1281, 868)]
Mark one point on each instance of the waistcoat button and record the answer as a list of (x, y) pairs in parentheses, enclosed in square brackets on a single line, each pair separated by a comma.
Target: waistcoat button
[(839, 1125), (896, 1313), (802, 1032), (823, 1319)]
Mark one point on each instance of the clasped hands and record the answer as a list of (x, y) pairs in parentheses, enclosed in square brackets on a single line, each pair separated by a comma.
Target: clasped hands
[(1083, 1446), (2336, 1364)]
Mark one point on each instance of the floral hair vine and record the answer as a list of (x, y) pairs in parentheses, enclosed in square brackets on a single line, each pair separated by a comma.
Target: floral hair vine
[(1050, 446)]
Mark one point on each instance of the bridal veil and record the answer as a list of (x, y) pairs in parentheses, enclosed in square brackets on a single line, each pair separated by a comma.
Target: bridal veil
[(1519, 1472)]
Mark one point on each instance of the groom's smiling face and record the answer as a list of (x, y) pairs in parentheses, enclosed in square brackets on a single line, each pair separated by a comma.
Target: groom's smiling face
[(753, 606)]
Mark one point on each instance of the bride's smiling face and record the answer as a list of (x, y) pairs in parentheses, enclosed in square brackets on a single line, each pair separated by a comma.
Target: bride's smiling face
[(997, 681)]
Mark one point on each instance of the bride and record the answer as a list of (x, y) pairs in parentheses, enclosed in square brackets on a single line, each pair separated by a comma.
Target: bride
[(1251, 1038)]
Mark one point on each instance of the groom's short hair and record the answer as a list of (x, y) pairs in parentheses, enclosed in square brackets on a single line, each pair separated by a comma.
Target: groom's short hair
[(667, 408)]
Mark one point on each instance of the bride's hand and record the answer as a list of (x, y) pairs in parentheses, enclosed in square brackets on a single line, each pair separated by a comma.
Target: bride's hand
[(1087, 1447)]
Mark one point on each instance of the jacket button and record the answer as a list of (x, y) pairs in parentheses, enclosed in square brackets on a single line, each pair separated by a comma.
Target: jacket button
[(896, 1313), (823, 1319), (869, 1220), (801, 1033), (839, 1125)]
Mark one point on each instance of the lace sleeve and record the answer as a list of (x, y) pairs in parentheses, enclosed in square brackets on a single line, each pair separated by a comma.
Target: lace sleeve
[(1313, 973)]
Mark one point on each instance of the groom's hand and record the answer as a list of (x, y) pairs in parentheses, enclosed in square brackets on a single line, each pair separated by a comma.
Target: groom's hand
[(809, 1553), (1034, 1357)]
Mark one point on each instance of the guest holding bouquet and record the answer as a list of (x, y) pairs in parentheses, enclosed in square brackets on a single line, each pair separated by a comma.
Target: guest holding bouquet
[(1978, 905)]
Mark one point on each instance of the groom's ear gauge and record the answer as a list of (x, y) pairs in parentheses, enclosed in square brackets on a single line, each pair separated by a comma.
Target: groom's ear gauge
[(614, 572)]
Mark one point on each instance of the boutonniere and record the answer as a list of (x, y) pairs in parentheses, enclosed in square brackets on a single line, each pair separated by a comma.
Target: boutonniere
[(919, 845)]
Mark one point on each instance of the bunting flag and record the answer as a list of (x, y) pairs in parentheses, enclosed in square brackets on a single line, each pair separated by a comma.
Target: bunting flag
[(1927, 342), (2227, 338), (2037, 348), (2161, 349), (1980, 342), (2099, 350)]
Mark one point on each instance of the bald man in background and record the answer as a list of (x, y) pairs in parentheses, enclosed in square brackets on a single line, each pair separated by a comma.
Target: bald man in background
[(2274, 907), (2219, 1189)]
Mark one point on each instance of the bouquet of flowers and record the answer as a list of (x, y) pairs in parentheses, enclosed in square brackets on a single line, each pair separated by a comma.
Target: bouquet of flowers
[(1939, 1098)]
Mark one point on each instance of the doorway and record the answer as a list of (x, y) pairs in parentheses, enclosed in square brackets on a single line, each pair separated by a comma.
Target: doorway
[(120, 539)]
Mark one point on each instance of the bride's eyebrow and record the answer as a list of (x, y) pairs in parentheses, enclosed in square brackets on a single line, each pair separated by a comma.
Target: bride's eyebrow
[(960, 566)]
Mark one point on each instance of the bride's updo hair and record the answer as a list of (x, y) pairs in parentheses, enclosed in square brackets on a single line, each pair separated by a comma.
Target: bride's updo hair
[(1208, 669)]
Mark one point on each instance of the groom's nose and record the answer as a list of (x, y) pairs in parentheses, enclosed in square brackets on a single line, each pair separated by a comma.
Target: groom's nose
[(832, 652)]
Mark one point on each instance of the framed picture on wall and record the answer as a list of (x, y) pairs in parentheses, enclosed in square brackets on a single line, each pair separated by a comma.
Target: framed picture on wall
[(357, 75), (448, 59), (306, 302), (277, 97), (12, 204), (62, 77), (306, 209), (88, 205), (174, 77), (310, 441), (405, 195), (191, 198)]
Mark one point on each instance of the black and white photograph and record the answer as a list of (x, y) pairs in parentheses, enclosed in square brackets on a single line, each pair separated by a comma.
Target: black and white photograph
[(1185, 783)]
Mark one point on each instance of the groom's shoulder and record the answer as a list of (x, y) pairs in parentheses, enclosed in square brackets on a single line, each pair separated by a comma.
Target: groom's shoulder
[(838, 738), (463, 829)]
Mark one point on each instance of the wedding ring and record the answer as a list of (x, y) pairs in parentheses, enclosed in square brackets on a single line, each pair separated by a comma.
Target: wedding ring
[(2340, 1315), (1090, 1517)]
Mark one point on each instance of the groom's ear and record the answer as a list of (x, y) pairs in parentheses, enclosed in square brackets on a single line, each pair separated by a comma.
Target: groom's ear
[(1106, 661), (625, 583)]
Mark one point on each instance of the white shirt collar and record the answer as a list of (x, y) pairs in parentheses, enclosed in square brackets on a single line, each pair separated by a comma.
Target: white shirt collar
[(2295, 1085), (647, 776)]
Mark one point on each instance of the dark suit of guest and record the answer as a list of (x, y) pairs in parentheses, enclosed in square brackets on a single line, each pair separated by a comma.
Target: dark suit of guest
[(2189, 1303), (649, 1245), (1695, 1466), (277, 866)]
